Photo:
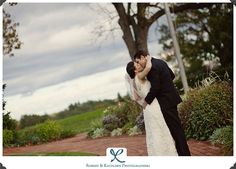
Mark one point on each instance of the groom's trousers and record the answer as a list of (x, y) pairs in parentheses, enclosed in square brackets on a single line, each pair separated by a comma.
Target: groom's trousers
[(174, 124)]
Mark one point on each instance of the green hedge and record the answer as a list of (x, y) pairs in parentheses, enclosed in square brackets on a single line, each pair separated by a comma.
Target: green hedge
[(205, 109), (48, 131), (224, 136), (8, 137), (121, 116)]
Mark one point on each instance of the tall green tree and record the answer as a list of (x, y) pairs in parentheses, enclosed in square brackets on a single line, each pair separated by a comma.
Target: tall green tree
[(8, 122), (203, 34)]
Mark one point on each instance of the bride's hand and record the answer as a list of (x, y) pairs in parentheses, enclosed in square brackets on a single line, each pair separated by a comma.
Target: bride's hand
[(149, 63)]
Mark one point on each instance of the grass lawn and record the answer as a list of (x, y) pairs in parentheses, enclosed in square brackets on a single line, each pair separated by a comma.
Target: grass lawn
[(55, 154), (78, 123)]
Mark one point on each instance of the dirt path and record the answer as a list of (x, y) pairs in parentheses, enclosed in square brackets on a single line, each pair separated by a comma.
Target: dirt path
[(136, 146)]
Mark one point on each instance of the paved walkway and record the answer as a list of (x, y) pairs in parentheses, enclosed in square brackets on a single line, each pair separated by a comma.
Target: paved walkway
[(136, 146)]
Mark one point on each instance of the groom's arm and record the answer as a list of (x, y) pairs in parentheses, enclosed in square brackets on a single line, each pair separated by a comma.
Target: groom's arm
[(155, 85)]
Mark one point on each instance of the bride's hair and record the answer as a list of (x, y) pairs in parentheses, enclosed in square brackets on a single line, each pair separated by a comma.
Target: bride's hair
[(130, 69)]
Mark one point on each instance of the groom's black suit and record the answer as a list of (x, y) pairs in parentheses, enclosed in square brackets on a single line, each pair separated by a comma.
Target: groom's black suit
[(162, 88)]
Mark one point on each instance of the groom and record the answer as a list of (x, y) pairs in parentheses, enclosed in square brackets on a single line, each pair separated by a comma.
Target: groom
[(162, 88)]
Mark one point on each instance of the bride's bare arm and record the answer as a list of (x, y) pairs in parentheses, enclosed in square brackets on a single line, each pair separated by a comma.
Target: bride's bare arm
[(143, 74), (136, 97)]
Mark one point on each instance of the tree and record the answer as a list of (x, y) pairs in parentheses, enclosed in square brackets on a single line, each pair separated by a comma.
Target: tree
[(11, 39), (8, 122), (136, 19), (202, 38), (201, 34), (31, 120)]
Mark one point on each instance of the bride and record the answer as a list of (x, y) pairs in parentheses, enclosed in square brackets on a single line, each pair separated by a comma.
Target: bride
[(158, 137)]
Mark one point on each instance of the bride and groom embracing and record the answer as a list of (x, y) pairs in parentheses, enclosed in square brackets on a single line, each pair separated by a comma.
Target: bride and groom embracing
[(151, 85)]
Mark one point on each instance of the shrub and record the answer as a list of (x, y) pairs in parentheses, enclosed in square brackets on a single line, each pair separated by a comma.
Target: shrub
[(97, 123), (140, 122), (126, 128), (8, 122), (207, 108), (131, 109), (111, 122), (121, 114), (31, 120), (48, 131), (99, 132), (67, 133), (8, 137), (116, 132), (134, 131), (224, 136)]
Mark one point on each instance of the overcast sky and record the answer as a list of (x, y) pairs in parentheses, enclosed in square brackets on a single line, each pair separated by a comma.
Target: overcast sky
[(60, 61)]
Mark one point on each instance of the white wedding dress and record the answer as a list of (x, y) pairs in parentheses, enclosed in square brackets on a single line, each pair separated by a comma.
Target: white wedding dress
[(158, 137)]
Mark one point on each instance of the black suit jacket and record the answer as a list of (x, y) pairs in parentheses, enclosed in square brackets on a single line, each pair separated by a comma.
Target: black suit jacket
[(162, 86)]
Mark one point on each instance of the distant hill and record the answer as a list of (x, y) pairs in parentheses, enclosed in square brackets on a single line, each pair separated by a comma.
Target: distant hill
[(78, 108), (72, 110)]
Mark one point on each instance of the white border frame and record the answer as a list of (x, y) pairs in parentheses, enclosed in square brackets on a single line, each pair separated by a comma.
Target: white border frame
[(222, 162)]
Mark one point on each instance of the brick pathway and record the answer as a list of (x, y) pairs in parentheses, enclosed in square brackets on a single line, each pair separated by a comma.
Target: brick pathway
[(136, 146)]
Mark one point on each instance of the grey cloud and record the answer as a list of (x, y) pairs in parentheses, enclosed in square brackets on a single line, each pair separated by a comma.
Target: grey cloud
[(30, 70)]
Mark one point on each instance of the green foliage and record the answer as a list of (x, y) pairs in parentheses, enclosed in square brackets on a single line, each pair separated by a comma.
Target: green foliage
[(126, 112), (82, 122), (99, 132), (41, 133), (78, 108), (53, 130), (140, 122), (194, 78), (134, 131), (118, 119), (10, 36), (48, 131), (126, 128), (8, 137), (8, 122), (224, 136), (201, 35), (202, 38), (66, 133), (94, 124), (117, 116), (116, 132), (111, 122), (206, 108), (97, 123), (31, 120)]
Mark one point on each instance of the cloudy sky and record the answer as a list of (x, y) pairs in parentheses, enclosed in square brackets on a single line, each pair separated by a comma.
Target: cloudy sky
[(61, 60)]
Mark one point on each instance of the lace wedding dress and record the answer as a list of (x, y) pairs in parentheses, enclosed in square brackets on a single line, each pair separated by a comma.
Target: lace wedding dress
[(158, 137)]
